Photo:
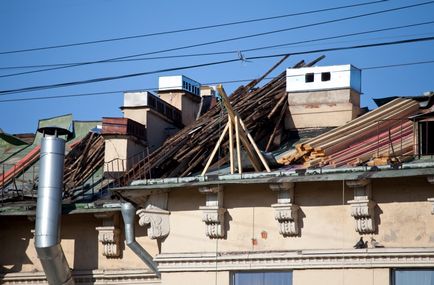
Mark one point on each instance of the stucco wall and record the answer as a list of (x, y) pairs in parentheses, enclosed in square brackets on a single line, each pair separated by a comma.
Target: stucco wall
[(196, 278), (158, 130), (342, 277), (403, 216), (79, 242), (188, 104), (328, 108)]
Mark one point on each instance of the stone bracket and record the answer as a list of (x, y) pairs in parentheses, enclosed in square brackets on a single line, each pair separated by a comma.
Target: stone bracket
[(286, 212), (430, 180), (362, 207), (431, 200), (213, 213), (109, 234), (155, 216)]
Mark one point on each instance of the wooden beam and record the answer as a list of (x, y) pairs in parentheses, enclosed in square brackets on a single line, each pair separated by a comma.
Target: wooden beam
[(237, 137), (231, 145), (225, 130)]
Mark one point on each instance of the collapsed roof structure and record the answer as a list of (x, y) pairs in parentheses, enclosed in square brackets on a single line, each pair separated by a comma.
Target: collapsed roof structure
[(318, 141)]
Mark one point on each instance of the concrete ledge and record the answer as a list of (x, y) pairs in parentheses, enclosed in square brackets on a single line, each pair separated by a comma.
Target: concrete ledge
[(303, 259), (94, 277)]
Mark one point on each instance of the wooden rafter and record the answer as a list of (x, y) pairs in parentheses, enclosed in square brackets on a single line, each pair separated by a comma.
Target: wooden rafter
[(242, 136)]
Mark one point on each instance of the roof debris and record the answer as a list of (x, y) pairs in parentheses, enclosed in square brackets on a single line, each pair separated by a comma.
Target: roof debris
[(378, 136), (187, 151)]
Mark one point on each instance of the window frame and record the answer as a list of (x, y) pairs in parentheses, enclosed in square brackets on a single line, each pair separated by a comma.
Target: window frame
[(393, 270), (232, 275)]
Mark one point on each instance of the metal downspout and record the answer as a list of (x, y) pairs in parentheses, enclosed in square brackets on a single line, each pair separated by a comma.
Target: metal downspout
[(49, 210), (128, 214)]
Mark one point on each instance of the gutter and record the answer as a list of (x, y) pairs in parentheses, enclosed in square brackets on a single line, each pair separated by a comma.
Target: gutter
[(49, 209), (291, 175), (128, 215)]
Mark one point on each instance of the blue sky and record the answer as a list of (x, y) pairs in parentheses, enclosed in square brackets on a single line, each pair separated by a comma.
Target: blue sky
[(30, 24)]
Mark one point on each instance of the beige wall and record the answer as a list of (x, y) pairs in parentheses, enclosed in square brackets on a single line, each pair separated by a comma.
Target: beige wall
[(196, 278), (158, 130), (404, 217), (342, 277), (329, 108), (188, 104), (137, 114), (122, 152), (79, 242)]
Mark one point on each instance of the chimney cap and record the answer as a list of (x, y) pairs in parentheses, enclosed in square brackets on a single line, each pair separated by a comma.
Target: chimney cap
[(55, 131)]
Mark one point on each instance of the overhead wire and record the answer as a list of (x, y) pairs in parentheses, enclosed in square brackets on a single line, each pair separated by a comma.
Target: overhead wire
[(222, 52), (101, 79), (193, 28), (235, 38), (154, 89)]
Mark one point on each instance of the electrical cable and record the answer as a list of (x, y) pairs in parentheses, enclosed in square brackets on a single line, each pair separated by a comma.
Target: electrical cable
[(221, 52), (192, 29), (237, 38), (154, 89), (101, 79)]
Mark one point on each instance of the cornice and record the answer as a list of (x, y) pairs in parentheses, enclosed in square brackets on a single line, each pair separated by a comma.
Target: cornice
[(304, 259)]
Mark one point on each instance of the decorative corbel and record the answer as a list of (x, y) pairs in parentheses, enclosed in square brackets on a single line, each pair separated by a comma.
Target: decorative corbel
[(109, 234), (430, 180), (213, 212), (155, 216), (363, 207), (286, 212)]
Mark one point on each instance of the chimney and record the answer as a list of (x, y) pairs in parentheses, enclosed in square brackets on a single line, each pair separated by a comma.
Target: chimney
[(325, 96), (49, 207), (183, 93), (161, 119), (125, 144)]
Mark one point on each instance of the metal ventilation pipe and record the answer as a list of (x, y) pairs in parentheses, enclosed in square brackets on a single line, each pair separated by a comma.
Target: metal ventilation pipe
[(128, 214), (49, 208)]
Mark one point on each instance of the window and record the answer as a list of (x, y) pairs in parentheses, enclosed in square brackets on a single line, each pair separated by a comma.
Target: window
[(426, 138), (262, 278), (309, 77), (325, 76), (413, 276)]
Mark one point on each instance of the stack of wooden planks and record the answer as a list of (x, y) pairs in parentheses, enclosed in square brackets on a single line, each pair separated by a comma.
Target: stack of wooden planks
[(86, 157), (188, 150), (381, 135)]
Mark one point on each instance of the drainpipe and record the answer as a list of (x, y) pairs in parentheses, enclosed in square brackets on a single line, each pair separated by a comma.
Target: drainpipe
[(49, 208), (128, 215)]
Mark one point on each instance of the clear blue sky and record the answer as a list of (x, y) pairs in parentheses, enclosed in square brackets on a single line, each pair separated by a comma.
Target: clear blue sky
[(29, 24)]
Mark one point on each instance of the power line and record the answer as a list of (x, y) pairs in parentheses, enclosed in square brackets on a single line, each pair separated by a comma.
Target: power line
[(94, 80), (209, 83), (345, 48), (233, 38), (222, 52), (193, 29)]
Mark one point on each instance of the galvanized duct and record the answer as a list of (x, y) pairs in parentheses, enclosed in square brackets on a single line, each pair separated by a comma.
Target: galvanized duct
[(128, 214), (49, 210)]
